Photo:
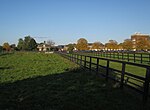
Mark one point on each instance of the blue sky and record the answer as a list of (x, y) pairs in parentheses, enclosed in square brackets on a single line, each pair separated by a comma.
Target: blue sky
[(65, 21)]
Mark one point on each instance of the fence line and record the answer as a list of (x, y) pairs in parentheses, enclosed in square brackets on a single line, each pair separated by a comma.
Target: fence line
[(128, 56), (138, 83)]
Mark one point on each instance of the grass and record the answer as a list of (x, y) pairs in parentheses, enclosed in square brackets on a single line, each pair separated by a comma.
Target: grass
[(135, 70), (125, 57), (20, 66), (35, 81)]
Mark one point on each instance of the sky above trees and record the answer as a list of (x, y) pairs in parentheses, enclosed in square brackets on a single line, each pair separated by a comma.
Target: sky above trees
[(65, 21)]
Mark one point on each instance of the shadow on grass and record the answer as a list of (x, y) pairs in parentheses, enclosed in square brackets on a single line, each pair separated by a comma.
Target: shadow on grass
[(3, 68), (72, 90)]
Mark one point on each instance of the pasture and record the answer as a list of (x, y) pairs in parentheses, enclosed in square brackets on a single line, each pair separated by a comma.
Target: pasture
[(38, 81)]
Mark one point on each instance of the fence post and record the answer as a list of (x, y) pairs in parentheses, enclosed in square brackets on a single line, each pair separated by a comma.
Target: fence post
[(118, 55), (149, 58), (84, 61), (72, 58), (77, 59), (110, 54), (97, 65), (134, 57), (146, 85), (122, 55), (113, 54), (141, 58), (128, 56), (107, 70), (122, 75), (81, 60), (90, 63)]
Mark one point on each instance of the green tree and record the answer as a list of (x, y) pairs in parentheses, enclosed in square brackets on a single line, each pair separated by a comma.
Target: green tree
[(32, 44), (6, 46), (20, 45), (1, 48), (70, 47), (27, 44), (82, 44)]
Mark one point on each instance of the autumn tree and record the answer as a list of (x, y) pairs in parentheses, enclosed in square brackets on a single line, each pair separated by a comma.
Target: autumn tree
[(127, 44), (82, 44), (112, 44), (120, 46), (6, 46), (142, 44), (97, 45)]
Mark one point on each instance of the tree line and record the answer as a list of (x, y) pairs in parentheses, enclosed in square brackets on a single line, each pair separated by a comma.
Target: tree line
[(29, 44), (82, 44), (26, 44)]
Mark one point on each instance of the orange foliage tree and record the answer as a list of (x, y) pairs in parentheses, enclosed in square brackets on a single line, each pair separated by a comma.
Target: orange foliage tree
[(82, 44), (6, 46)]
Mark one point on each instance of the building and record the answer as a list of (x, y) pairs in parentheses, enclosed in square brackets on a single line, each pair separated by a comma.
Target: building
[(43, 47), (135, 38)]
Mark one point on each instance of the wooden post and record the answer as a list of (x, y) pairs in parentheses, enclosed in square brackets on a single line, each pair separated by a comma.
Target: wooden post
[(107, 70), (146, 85), (97, 65), (77, 59), (149, 58), (90, 63), (134, 57), (81, 60), (122, 75), (128, 56), (72, 57), (114, 54), (84, 61), (141, 58), (122, 55)]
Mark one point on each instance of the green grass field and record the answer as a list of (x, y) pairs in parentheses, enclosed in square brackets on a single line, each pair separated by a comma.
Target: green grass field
[(36, 81)]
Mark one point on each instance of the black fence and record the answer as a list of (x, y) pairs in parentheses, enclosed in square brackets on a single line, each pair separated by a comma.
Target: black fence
[(127, 56), (125, 78)]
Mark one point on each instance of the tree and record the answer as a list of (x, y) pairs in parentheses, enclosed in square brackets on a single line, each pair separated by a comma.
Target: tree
[(50, 43), (127, 44), (20, 45), (82, 44), (70, 47), (97, 45), (112, 44), (142, 44), (120, 46), (13, 47), (32, 44), (6, 46), (1, 48), (27, 44)]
